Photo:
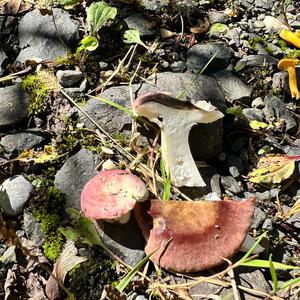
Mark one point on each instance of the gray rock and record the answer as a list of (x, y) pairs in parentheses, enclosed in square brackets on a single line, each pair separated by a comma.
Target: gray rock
[(258, 218), (178, 66), (235, 165), (258, 103), (139, 22), (77, 91), (255, 61), (21, 141), (275, 108), (234, 36), (230, 184), (295, 220), (155, 5), (126, 241), (13, 106), (252, 279), (74, 174), (32, 229), (111, 119), (217, 16), (264, 4), (267, 225), (40, 39), (253, 114), (68, 78), (3, 58), (234, 88), (199, 55), (9, 255), (14, 193), (280, 81), (263, 196)]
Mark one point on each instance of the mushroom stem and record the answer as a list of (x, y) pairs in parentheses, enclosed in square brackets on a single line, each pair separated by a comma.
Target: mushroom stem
[(179, 163), (290, 37), (293, 83)]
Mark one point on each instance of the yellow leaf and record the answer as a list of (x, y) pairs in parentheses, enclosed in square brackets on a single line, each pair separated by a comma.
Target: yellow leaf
[(257, 125), (39, 157), (273, 169)]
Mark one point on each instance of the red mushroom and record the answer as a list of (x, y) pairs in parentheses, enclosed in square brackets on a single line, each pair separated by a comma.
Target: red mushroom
[(111, 195), (193, 236)]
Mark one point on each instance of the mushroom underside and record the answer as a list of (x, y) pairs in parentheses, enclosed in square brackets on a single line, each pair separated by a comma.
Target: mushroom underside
[(194, 236)]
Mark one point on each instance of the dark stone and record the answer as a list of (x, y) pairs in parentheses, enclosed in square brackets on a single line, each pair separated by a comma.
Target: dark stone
[(231, 185), (275, 108), (32, 229), (21, 141), (234, 88), (13, 106), (199, 55), (258, 218), (126, 241), (253, 114), (139, 22), (255, 61), (68, 78), (74, 174), (39, 38)]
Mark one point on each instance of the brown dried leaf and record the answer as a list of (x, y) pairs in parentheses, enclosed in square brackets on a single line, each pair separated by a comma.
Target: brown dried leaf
[(12, 7), (67, 260)]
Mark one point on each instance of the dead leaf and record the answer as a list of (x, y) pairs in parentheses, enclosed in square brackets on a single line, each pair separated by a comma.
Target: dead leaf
[(111, 293), (67, 260), (201, 27), (48, 154), (12, 7), (273, 169)]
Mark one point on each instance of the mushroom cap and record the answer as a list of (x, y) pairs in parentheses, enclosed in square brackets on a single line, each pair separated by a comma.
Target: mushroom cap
[(194, 236), (152, 104), (285, 63), (112, 194)]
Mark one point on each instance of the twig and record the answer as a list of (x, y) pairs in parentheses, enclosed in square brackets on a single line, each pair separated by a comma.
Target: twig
[(115, 72)]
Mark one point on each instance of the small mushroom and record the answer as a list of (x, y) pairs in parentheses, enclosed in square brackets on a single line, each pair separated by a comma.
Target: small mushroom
[(194, 236), (111, 195), (176, 118), (290, 37), (289, 64)]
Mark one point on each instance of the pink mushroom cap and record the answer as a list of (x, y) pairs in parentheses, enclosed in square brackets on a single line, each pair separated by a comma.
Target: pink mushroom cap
[(111, 195)]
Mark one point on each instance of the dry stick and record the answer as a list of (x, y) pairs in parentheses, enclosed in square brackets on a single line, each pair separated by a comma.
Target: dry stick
[(124, 152), (115, 72)]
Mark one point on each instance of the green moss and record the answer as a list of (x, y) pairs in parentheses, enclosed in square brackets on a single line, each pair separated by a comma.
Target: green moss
[(37, 91), (294, 53), (48, 214), (283, 45)]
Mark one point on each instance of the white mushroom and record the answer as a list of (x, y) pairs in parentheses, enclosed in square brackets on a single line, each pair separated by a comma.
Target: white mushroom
[(176, 118)]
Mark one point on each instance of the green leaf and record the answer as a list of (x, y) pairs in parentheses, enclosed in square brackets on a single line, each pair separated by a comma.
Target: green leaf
[(89, 43), (273, 274), (116, 105), (260, 263), (84, 229), (253, 247), (132, 36), (218, 28), (98, 13), (166, 181), (288, 283), (256, 125), (69, 2), (126, 280)]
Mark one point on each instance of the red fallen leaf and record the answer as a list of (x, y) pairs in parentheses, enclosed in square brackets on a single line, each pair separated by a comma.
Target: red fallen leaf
[(193, 236)]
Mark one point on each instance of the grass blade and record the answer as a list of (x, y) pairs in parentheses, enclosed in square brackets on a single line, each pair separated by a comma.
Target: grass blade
[(125, 281), (260, 263), (207, 64), (289, 283), (166, 181), (115, 105), (252, 248), (273, 274)]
